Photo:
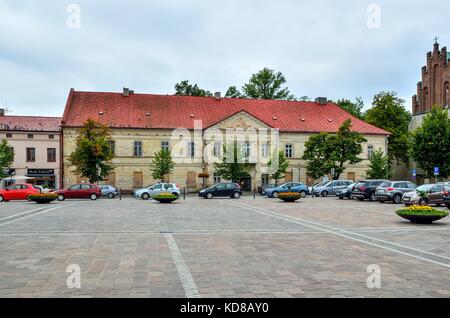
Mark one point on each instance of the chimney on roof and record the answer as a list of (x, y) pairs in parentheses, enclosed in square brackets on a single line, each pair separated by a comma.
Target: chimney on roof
[(2, 112), (127, 92), (217, 95), (321, 100)]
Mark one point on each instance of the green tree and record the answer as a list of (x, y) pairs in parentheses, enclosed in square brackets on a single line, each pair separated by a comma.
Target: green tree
[(388, 112), (333, 151), (267, 84), (184, 88), (233, 92), (93, 151), (162, 164), (379, 167), (354, 108), (6, 157), (234, 165), (281, 166), (430, 143)]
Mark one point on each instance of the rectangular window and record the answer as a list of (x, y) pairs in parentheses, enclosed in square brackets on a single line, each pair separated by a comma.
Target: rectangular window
[(8, 135), (51, 136), (191, 149), (31, 154), (369, 151), (30, 136), (265, 150), (12, 150), (137, 152), (165, 145), (51, 154), (112, 145), (289, 151), (217, 149), (246, 149), (217, 178)]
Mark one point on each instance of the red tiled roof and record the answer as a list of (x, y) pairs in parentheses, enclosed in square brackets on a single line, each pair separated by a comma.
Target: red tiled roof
[(170, 112), (30, 123)]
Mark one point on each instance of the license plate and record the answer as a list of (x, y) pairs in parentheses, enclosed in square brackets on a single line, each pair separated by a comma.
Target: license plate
[(406, 199), (381, 191)]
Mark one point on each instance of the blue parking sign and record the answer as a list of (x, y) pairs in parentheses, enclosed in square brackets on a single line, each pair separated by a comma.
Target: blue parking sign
[(414, 172), (436, 171)]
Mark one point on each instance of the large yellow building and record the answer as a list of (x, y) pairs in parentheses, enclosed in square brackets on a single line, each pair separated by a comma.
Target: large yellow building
[(195, 130)]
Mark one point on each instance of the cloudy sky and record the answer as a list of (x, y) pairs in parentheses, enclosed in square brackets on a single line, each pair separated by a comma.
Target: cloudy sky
[(325, 48)]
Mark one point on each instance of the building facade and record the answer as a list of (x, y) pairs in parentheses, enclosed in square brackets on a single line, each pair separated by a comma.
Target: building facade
[(434, 88), (36, 144), (194, 129)]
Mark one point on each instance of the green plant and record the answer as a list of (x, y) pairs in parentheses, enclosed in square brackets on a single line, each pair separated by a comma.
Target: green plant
[(421, 211), (162, 164), (43, 196), (289, 196)]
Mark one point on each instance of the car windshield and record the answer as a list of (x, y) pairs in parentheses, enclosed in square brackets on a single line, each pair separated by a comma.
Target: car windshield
[(425, 187), (385, 185), (362, 183), (321, 183)]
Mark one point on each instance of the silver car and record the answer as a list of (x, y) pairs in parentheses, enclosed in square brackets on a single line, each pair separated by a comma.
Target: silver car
[(108, 191), (331, 187), (154, 190)]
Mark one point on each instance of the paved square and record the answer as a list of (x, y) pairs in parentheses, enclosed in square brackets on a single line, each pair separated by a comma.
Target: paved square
[(318, 247)]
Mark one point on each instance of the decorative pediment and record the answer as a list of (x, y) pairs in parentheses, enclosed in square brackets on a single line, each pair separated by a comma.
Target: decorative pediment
[(242, 120)]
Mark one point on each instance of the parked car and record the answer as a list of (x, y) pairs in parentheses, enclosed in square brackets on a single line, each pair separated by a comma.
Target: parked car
[(80, 191), (393, 191), (446, 196), (331, 187), (109, 191), (267, 186), (346, 192), (290, 186), (19, 191), (434, 194), (154, 190), (365, 189), (232, 190)]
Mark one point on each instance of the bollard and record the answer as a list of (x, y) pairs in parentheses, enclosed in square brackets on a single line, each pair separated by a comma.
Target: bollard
[(184, 193), (120, 194)]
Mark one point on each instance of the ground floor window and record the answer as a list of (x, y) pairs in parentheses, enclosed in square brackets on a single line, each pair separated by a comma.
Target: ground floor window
[(264, 179), (217, 178)]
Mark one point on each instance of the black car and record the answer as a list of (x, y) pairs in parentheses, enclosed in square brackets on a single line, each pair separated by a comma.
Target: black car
[(366, 189), (446, 196), (232, 190)]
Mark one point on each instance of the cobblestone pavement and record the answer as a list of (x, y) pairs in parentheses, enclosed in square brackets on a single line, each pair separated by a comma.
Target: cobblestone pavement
[(318, 247)]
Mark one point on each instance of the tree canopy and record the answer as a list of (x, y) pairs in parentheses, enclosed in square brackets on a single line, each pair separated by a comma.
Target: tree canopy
[(267, 84), (93, 151), (388, 112), (355, 108), (184, 88), (325, 152), (234, 165), (430, 143), (379, 167), (6, 157), (162, 164), (281, 167)]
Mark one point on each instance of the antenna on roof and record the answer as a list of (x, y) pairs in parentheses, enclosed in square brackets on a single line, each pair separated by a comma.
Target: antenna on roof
[(5, 110)]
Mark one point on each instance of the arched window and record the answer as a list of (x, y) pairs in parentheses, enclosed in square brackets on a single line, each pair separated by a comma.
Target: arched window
[(445, 101), (425, 99), (369, 151)]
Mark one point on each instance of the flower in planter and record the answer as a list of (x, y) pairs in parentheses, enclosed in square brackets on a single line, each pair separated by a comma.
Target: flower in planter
[(43, 197), (421, 214), (165, 197)]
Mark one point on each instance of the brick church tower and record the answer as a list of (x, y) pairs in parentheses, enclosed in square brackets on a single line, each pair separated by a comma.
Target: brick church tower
[(435, 84)]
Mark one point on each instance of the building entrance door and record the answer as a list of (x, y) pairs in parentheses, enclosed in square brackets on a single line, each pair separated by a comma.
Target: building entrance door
[(138, 180), (246, 183)]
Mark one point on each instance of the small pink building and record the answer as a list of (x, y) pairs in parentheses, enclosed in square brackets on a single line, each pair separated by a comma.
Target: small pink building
[(36, 143)]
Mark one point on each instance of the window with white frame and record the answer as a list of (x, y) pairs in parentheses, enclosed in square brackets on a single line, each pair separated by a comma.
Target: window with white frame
[(137, 148), (289, 151), (217, 149), (191, 149), (247, 149), (217, 178), (165, 145), (369, 151), (265, 150)]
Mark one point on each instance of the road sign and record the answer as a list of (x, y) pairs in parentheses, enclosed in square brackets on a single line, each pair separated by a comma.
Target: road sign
[(436, 171), (414, 173)]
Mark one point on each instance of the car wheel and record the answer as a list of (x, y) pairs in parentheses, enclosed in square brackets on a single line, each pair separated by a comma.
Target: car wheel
[(61, 197), (381, 201), (111, 195), (93, 197), (176, 194), (145, 196), (236, 195), (361, 199), (423, 202), (28, 198), (341, 198), (303, 194), (2, 198), (397, 199), (209, 195), (324, 193), (372, 197), (438, 205), (448, 206), (275, 195)]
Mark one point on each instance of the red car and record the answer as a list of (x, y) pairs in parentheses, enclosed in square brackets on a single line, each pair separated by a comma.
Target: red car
[(17, 192), (80, 191)]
